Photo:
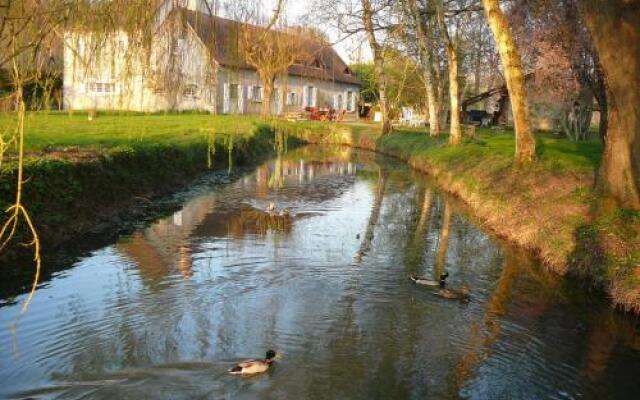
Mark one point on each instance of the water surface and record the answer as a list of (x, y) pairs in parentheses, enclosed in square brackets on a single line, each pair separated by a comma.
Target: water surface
[(165, 311)]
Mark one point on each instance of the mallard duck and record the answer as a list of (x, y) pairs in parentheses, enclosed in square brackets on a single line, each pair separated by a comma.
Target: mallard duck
[(419, 280), (452, 294), (256, 366)]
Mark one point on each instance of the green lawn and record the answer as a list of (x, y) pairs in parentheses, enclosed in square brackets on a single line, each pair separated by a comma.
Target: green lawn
[(58, 129), (556, 153)]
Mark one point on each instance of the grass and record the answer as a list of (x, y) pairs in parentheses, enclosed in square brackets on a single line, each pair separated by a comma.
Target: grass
[(58, 130), (553, 152)]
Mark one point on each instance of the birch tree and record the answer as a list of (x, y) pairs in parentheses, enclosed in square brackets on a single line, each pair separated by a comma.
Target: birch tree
[(451, 41), (378, 62), (426, 51)]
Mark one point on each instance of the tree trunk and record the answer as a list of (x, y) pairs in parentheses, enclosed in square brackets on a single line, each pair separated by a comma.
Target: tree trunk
[(378, 62), (616, 35), (512, 66), (426, 59), (434, 104), (265, 110), (455, 130), (477, 71), (451, 45)]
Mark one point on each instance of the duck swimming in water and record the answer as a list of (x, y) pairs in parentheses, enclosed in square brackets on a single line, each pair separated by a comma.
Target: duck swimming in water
[(418, 280), (452, 294), (254, 366)]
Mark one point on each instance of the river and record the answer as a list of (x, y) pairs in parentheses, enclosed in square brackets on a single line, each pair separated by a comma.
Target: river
[(163, 312)]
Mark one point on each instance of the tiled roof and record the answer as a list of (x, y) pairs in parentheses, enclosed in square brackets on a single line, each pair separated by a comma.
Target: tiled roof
[(222, 37)]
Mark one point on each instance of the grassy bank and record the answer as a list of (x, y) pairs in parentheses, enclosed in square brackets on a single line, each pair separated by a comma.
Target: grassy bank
[(550, 207), (80, 174)]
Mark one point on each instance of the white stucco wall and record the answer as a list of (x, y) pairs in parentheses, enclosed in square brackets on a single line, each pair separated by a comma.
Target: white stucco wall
[(326, 93), (134, 81), (117, 78)]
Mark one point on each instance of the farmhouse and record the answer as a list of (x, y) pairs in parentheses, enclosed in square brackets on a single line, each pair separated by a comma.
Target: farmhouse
[(193, 63)]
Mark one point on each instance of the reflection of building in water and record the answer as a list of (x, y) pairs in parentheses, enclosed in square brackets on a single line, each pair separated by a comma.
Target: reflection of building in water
[(165, 245), (242, 222), (281, 172)]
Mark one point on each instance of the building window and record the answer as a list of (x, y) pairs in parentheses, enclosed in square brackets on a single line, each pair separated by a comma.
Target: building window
[(234, 91), (190, 91), (256, 94), (291, 99), (310, 100), (101, 87), (349, 106)]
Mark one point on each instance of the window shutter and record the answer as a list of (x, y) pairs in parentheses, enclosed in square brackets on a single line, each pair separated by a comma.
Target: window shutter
[(226, 102), (314, 96), (261, 93), (241, 90)]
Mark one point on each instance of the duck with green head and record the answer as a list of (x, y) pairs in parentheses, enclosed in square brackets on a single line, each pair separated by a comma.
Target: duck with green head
[(424, 281)]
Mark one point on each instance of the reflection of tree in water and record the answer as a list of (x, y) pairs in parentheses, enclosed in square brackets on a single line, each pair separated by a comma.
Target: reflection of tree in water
[(376, 372), (276, 180), (365, 245), (443, 241), (416, 246), (607, 331), (484, 334), (539, 294)]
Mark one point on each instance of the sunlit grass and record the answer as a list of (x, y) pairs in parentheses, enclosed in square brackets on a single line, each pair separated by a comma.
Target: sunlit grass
[(553, 152), (58, 130)]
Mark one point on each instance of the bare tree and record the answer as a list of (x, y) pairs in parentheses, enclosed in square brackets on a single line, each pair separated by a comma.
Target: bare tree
[(378, 62), (271, 49), (451, 41), (367, 19), (430, 67)]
